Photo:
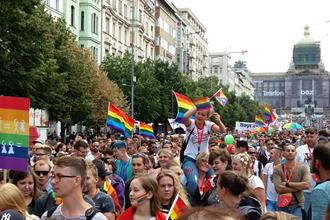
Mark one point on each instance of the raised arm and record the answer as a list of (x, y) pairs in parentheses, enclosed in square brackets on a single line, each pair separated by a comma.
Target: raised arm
[(219, 126), (186, 116)]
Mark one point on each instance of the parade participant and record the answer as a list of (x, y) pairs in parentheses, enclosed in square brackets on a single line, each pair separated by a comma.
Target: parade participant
[(256, 165), (103, 202), (81, 149), (43, 152), (242, 164), (220, 161), (12, 204), (231, 187), (290, 179), (267, 178), (197, 135), (68, 178), (169, 186), (204, 183), (144, 197), (26, 182), (165, 157), (321, 193), (42, 169), (139, 163), (123, 161), (210, 213)]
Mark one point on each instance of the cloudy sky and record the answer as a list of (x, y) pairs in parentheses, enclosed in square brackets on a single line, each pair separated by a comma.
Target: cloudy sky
[(267, 29)]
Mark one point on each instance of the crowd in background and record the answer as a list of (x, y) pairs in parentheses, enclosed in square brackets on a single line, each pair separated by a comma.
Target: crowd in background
[(278, 175)]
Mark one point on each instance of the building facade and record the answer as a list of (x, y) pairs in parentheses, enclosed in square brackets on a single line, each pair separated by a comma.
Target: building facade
[(83, 18), (306, 83), (126, 21), (196, 45), (165, 32)]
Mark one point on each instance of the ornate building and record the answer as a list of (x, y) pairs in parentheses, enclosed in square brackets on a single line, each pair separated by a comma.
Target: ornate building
[(305, 84)]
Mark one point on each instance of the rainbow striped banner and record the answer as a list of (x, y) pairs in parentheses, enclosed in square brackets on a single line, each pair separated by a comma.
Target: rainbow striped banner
[(221, 97), (260, 121), (184, 105), (178, 207), (146, 130), (118, 120), (14, 133), (269, 114), (203, 104)]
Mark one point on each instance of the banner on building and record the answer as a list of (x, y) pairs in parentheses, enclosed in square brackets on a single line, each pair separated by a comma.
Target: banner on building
[(245, 126), (14, 133)]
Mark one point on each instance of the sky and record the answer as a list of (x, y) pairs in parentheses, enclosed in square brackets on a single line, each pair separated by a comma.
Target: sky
[(267, 29)]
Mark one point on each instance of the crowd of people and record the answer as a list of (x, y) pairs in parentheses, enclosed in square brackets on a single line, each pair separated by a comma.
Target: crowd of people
[(278, 175)]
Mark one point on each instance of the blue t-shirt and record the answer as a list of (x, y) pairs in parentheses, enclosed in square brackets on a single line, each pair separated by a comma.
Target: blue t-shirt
[(320, 199), (104, 203)]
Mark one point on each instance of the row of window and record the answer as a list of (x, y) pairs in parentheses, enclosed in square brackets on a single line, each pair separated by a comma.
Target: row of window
[(164, 44), (166, 27), (94, 21)]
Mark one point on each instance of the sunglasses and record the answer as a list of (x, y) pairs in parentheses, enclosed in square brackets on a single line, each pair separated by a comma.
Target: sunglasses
[(44, 173)]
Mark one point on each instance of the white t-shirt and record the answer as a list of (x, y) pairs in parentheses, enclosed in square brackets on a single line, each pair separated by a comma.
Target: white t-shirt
[(304, 155), (204, 133), (271, 193), (256, 182)]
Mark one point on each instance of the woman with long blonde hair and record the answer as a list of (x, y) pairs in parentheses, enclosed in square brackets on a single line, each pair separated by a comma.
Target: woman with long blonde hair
[(11, 198), (169, 187)]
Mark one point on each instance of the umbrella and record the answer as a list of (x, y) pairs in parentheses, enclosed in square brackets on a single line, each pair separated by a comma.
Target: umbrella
[(293, 126)]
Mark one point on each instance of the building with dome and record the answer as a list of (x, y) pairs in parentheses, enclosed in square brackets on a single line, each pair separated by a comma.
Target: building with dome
[(304, 87)]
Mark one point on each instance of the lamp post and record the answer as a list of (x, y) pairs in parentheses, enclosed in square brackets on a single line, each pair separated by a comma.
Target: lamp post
[(133, 79)]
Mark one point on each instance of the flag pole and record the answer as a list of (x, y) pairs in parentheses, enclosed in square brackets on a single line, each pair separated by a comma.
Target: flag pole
[(172, 207), (215, 93)]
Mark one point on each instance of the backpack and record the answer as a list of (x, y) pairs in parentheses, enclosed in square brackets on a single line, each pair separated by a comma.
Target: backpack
[(184, 146), (89, 214)]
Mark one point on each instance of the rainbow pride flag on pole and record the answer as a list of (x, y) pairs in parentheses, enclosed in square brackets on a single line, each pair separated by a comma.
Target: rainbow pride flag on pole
[(269, 115), (146, 130), (14, 133), (184, 105), (221, 97), (118, 120), (260, 121), (203, 104), (178, 207)]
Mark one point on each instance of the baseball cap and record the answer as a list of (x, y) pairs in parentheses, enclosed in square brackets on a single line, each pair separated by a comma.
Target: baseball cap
[(11, 214)]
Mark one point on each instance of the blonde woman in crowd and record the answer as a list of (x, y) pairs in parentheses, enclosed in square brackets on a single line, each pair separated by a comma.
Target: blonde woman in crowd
[(11, 198), (165, 157), (242, 163), (169, 187)]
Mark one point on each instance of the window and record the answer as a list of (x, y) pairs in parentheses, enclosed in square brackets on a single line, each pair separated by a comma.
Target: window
[(82, 46), (114, 5), (72, 16), (140, 15), (119, 33), (107, 25), (95, 52), (120, 7), (125, 10), (114, 29), (125, 36), (82, 21), (94, 24)]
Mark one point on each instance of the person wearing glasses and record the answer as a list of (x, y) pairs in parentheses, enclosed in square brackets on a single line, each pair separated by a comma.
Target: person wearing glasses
[(68, 178), (81, 149), (26, 182), (43, 152), (42, 169)]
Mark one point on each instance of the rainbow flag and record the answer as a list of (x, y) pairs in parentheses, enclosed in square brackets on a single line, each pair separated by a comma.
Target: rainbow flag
[(178, 207), (203, 104), (269, 115), (221, 97), (14, 133), (260, 121), (118, 120), (146, 130), (184, 105)]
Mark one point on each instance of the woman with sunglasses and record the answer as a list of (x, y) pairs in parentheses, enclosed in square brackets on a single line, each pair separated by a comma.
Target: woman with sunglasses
[(197, 137), (26, 182)]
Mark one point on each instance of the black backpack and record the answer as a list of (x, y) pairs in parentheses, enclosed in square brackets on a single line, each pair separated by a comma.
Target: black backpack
[(184, 146), (89, 214)]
